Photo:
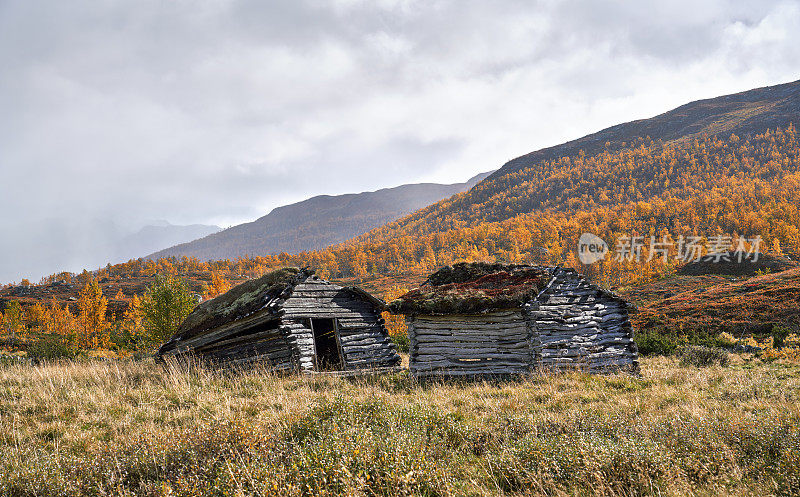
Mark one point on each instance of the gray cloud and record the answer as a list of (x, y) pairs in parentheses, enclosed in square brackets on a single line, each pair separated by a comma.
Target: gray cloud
[(217, 111)]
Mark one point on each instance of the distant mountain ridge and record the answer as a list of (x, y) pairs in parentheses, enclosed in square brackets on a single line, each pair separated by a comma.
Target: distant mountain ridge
[(741, 113), (317, 222), (152, 237)]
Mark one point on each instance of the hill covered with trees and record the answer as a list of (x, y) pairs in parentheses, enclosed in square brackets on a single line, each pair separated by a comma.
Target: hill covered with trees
[(630, 162), (723, 189)]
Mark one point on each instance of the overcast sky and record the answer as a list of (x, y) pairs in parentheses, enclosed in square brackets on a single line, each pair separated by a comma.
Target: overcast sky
[(217, 111)]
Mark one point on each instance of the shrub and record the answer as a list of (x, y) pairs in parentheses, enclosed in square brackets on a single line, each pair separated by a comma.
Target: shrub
[(780, 333), (396, 327), (725, 339), (701, 356), (582, 464), (656, 342), (789, 348), (662, 341), (48, 347), (164, 307), (401, 341)]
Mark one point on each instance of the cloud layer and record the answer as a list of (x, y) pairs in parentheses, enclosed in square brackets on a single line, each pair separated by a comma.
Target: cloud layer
[(217, 111)]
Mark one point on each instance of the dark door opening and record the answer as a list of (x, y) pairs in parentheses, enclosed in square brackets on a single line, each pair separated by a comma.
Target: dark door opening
[(326, 344)]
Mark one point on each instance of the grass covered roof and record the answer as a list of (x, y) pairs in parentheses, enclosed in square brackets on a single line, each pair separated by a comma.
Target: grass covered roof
[(473, 288), (240, 301)]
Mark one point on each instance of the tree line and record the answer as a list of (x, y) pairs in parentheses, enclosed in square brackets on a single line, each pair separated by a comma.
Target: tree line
[(738, 187)]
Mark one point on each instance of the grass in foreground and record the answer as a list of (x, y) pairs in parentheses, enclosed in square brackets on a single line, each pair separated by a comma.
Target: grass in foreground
[(132, 428)]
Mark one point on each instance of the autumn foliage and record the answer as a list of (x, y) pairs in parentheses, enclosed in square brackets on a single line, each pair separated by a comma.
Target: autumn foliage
[(730, 188), (92, 317)]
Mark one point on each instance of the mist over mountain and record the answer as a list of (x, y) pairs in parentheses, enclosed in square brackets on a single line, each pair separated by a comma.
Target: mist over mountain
[(151, 237), (39, 248), (317, 222)]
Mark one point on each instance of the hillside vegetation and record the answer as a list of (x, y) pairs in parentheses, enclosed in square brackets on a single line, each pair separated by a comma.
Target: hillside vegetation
[(647, 173), (745, 114), (677, 183), (716, 304), (738, 186), (132, 428)]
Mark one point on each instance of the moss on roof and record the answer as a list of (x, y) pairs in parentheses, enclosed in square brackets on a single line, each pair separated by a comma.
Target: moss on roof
[(473, 288), (240, 301)]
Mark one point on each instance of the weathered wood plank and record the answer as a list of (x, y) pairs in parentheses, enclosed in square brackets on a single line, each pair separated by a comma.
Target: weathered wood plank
[(472, 337), (522, 349), (271, 334), (475, 327), (219, 333), (368, 341)]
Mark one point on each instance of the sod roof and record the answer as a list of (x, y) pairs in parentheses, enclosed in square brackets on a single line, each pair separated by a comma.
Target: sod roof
[(473, 288), (240, 301)]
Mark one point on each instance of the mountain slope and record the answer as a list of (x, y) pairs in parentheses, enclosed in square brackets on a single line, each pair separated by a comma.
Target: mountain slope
[(745, 186), (747, 112), (317, 222), (538, 180)]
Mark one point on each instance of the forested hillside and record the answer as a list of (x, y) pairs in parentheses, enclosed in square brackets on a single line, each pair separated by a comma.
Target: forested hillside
[(714, 185), (736, 186), (628, 162)]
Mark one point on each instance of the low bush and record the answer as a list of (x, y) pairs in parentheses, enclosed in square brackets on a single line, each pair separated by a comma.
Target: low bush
[(401, 341), (656, 342), (701, 356), (49, 347), (662, 341), (781, 332)]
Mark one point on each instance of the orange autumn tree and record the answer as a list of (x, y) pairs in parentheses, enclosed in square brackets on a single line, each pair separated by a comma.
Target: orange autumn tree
[(92, 305), (59, 321), (13, 321), (218, 286), (395, 323), (35, 315), (133, 314)]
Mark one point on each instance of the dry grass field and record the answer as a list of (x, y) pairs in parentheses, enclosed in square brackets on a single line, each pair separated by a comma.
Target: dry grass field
[(133, 428)]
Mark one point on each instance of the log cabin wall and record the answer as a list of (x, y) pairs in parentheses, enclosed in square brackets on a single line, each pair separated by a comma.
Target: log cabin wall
[(466, 345), (363, 339), (301, 339), (580, 326), (269, 347), (569, 324)]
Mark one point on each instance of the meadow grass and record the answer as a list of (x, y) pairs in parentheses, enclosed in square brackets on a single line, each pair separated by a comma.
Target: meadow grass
[(136, 428)]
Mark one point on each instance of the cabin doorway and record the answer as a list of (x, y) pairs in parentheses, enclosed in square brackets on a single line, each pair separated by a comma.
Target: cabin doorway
[(326, 344)]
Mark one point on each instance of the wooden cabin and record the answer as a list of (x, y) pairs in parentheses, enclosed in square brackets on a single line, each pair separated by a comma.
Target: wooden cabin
[(290, 320), (493, 319)]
